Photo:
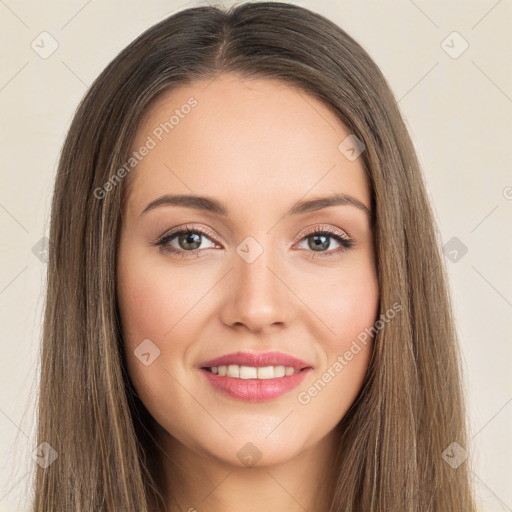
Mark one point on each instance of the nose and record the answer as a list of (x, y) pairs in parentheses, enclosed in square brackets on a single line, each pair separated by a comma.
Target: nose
[(256, 298)]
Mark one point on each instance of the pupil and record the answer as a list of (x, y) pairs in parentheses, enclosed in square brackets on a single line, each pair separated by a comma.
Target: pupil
[(190, 238), (318, 243)]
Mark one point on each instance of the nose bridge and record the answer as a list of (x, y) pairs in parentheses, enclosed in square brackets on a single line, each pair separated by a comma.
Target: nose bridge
[(258, 299)]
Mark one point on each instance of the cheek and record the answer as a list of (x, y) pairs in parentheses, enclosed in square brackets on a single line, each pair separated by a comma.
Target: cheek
[(352, 310), (150, 306), (152, 300), (346, 304)]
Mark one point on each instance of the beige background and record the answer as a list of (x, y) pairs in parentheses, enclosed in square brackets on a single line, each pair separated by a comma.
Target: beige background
[(459, 114)]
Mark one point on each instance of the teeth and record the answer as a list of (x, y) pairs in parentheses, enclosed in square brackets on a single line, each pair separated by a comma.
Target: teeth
[(252, 372), (233, 371), (266, 372), (248, 372), (279, 371)]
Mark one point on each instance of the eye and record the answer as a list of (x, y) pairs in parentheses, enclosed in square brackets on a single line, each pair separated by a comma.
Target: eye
[(319, 240), (188, 241), (184, 242)]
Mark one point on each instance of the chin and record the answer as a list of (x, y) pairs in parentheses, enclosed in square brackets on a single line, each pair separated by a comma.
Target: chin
[(255, 450)]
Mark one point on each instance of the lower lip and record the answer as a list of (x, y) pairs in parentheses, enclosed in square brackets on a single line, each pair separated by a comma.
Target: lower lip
[(255, 390)]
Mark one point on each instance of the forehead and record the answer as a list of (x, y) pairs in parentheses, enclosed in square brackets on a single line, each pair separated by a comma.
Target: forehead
[(242, 140)]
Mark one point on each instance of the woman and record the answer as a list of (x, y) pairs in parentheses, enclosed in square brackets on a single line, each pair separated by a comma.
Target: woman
[(246, 303)]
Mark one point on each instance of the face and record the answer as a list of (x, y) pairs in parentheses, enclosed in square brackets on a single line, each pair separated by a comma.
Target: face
[(240, 303)]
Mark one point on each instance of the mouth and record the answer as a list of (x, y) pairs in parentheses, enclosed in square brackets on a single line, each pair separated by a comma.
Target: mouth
[(255, 377)]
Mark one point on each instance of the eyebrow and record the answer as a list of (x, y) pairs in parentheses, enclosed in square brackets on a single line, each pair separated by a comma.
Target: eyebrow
[(213, 206)]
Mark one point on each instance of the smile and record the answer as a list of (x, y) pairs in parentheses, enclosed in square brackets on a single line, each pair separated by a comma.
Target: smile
[(255, 377)]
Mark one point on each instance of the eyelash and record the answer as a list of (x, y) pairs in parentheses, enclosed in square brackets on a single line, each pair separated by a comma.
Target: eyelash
[(345, 243)]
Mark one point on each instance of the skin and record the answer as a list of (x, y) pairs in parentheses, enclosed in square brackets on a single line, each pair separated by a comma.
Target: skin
[(258, 147)]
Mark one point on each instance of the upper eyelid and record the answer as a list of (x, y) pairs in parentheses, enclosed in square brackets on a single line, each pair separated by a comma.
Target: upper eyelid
[(331, 231)]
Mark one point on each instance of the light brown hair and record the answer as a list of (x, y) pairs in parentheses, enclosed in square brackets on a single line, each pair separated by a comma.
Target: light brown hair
[(410, 407)]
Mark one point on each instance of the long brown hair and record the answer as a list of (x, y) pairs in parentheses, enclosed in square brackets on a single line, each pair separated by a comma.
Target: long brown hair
[(410, 408)]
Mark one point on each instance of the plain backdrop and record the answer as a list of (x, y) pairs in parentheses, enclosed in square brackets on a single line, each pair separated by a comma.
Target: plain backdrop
[(449, 65)]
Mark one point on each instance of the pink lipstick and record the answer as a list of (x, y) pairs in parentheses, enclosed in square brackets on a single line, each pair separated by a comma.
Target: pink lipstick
[(255, 377)]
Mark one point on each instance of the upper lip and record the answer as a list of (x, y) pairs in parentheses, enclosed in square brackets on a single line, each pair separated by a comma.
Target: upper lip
[(257, 359)]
